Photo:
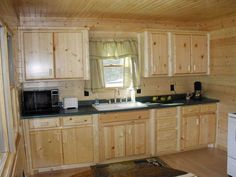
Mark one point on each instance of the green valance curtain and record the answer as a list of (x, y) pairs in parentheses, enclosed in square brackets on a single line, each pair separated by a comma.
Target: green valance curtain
[(113, 49)]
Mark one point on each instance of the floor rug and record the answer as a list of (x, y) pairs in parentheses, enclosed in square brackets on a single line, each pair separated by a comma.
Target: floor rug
[(150, 167)]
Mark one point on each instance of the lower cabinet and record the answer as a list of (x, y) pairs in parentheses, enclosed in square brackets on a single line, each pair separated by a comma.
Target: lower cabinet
[(77, 145), (53, 142), (190, 132), (124, 135), (166, 131), (198, 126), (46, 149)]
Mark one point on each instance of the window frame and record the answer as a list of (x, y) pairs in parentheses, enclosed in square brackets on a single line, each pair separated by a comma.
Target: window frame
[(114, 66)]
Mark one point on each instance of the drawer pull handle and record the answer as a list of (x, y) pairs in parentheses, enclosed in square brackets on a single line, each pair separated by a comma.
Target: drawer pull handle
[(70, 118)]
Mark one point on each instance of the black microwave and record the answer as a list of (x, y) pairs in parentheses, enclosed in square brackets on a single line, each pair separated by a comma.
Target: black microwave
[(40, 102)]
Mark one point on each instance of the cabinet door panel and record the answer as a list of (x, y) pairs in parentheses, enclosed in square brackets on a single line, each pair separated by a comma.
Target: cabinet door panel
[(136, 138), (38, 55), (207, 129), (46, 148), (190, 132), (182, 54), (113, 142), (77, 145), (199, 54), (159, 53), (69, 55)]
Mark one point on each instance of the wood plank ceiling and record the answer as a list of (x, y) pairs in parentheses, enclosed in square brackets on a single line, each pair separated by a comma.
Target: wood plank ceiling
[(179, 10)]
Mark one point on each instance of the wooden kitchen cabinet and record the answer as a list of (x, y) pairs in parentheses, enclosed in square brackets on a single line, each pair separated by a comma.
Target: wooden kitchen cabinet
[(77, 145), (124, 135), (190, 54), (199, 57), (46, 149), (182, 55), (198, 126), (38, 55), (190, 132), (166, 131), (155, 48), (55, 54), (69, 55)]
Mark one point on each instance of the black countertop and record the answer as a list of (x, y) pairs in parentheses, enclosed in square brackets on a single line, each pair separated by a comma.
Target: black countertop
[(89, 109)]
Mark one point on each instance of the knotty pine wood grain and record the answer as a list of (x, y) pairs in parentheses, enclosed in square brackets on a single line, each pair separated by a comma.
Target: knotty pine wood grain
[(175, 10)]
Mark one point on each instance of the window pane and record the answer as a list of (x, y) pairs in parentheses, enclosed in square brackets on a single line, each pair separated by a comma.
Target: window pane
[(113, 62), (113, 76)]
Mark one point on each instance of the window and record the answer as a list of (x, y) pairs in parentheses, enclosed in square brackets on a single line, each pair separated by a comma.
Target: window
[(113, 72), (113, 63)]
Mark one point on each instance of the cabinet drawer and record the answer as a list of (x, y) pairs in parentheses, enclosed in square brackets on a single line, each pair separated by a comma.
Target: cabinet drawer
[(166, 146), (186, 110), (124, 116), (166, 123), (76, 120), (44, 123), (208, 108), (166, 135), (166, 112)]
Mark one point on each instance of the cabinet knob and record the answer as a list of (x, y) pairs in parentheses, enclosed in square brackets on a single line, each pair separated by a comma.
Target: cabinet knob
[(112, 147), (196, 45), (202, 56), (185, 44), (154, 43)]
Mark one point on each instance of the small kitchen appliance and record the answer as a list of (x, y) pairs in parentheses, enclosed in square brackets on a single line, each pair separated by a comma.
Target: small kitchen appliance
[(70, 103), (197, 90), (231, 159), (40, 101)]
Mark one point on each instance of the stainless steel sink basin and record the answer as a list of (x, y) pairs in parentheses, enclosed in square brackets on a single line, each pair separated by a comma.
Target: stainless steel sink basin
[(119, 106), (171, 104)]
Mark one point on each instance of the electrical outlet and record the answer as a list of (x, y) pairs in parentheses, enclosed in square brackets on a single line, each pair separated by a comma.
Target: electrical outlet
[(172, 87), (139, 91), (86, 93)]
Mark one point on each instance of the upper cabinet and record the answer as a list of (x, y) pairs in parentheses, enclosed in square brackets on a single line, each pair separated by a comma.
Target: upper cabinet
[(190, 55), (155, 53), (166, 53), (69, 55), (55, 54), (38, 55)]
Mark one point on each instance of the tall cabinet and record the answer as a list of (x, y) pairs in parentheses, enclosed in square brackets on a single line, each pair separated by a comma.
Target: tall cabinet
[(55, 54)]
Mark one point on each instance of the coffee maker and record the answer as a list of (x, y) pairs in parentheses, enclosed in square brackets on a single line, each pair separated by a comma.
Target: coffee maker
[(197, 90)]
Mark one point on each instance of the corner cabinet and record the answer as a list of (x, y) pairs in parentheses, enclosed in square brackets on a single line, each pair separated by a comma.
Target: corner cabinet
[(55, 54), (123, 134), (58, 142), (190, 55)]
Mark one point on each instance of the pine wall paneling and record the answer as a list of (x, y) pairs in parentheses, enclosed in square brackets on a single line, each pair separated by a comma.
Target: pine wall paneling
[(221, 83)]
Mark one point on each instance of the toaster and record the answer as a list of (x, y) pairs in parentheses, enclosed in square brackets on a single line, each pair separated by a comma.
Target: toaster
[(70, 103)]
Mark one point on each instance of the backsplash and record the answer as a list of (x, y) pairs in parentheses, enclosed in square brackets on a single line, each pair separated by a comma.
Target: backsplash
[(149, 86)]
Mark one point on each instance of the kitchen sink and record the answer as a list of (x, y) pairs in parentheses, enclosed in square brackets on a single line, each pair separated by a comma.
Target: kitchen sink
[(171, 104), (118, 106)]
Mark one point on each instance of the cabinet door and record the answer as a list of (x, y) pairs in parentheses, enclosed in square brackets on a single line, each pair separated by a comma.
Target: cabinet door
[(112, 141), (69, 55), (190, 132), (46, 148), (38, 55), (182, 55), (136, 138), (77, 145), (159, 53), (199, 54), (207, 129)]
